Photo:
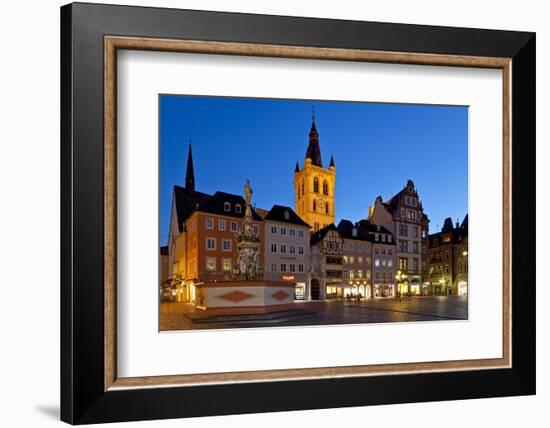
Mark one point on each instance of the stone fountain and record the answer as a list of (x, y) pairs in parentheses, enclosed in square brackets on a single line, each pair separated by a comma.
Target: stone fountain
[(247, 293)]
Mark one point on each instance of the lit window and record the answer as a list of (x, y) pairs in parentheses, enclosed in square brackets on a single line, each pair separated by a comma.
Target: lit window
[(376, 262), (211, 263), (226, 264)]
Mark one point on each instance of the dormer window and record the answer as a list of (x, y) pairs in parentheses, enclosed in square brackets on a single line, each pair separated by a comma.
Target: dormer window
[(226, 206), (238, 208), (287, 215)]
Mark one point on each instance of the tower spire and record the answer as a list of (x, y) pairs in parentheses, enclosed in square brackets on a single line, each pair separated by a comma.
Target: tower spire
[(190, 172), (313, 151)]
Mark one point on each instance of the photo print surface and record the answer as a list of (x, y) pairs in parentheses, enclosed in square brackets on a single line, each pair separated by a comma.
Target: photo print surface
[(278, 212)]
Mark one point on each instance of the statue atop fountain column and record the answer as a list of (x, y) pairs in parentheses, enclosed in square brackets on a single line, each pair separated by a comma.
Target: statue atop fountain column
[(248, 243)]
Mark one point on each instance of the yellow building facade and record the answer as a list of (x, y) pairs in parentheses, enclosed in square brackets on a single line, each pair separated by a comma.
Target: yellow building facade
[(314, 186)]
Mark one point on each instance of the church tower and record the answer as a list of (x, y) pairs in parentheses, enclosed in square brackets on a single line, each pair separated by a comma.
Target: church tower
[(190, 172), (314, 185)]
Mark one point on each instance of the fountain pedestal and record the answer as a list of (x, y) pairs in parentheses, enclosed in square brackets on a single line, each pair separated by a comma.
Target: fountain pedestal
[(240, 297)]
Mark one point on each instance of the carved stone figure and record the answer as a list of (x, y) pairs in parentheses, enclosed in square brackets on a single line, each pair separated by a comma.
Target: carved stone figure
[(248, 243)]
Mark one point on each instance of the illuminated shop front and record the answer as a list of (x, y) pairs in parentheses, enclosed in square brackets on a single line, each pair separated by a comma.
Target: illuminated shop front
[(463, 288), (349, 290), (384, 290)]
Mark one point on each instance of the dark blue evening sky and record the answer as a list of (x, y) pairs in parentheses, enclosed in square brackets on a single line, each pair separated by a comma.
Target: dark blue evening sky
[(376, 148)]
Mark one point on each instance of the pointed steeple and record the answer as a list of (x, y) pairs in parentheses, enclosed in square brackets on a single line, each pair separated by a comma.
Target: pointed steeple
[(297, 169), (190, 172), (332, 161), (313, 151)]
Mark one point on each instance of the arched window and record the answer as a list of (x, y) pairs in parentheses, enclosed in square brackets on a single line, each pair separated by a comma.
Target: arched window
[(316, 185), (303, 187), (314, 205), (326, 208), (325, 187)]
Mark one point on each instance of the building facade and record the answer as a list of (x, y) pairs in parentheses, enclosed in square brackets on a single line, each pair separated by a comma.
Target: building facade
[(356, 261), (286, 249), (383, 259), (314, 186), (403, 215), (327, 251), (448, 259)]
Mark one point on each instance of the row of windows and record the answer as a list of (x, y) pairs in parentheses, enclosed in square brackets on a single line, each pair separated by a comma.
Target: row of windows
[(404, 264), (211, 264), (383, 275), (360, 259), (350, 246), (283, 267), (284, 247), (382, 238), (383, 262), (404, 247), (352, 274), (211, 243), (301, 190), (411, 201), (283, 230), (404, 231), (227, 207), (410, 215), (222, 225)]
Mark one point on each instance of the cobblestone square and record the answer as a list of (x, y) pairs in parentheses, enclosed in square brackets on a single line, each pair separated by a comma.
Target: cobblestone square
[(173, 316)]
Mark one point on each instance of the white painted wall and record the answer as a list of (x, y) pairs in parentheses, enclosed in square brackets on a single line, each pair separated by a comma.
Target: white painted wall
[(29, 160)]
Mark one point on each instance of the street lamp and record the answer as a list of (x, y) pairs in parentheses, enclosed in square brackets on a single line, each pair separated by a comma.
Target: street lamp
[(400, 277)]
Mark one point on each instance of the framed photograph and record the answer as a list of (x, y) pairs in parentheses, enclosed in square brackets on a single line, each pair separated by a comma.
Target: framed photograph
[(266, 213)]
